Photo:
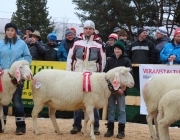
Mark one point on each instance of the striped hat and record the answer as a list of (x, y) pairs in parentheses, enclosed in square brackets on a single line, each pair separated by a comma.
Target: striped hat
[(162, 30), (114, 36)]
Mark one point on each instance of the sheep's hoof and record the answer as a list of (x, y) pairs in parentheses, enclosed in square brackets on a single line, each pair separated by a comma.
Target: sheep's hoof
[(154, 138), (86, 135), (37, 132), (93, 138), (58, 132), (4, 131)]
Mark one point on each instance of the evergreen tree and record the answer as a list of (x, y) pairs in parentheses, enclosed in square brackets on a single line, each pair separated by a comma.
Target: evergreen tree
[(33, 13)]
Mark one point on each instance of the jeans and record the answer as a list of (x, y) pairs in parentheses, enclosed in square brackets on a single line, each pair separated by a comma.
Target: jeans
[(121, 108), (17, 101), (78, 118)]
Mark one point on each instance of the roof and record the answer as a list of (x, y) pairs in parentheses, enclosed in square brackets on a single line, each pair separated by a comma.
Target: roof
[(3, 22)]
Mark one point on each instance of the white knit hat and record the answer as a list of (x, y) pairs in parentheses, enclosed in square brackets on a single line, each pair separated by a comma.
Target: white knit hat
[(162, 30), (89, 23)]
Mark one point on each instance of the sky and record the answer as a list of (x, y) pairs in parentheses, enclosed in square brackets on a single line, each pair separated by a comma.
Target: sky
[(60, 10)]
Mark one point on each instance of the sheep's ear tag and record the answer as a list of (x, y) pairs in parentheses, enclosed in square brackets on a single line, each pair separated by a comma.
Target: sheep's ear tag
[(116, 82), (38, 85)]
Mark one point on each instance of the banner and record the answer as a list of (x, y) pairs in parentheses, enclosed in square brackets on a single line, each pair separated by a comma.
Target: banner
[(37, 66), (146, 71)]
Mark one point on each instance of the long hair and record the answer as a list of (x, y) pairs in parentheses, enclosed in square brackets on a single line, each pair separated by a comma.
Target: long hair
[(14, 39)]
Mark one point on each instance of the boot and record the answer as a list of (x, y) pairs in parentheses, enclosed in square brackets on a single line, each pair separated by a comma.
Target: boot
[(110, 131), (121, 133), (20, 124)]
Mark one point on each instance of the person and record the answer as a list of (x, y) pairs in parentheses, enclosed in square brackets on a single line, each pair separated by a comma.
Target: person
[(123, 36), (116, 30), (36, 46), (51, 48), (142, 51), (109, 46), (26, 37), (86, 54), (171, 51), (65, 45), (12, 49), (161, 40), (118, 58)]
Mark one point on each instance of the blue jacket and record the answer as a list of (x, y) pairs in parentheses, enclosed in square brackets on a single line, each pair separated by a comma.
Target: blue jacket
[(9, 53), (62, 52), (170, 49)]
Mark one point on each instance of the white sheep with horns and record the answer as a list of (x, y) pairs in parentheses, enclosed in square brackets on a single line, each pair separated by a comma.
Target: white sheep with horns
[(62, 90), (18, 70)]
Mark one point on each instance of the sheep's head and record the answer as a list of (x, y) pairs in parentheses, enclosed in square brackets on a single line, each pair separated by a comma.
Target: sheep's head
[(120, 76), (21, 70)]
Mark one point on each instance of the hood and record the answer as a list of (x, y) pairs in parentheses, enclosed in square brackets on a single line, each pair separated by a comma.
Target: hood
[(164, 39)]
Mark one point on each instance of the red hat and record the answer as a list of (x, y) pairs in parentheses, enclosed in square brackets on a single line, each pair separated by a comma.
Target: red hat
[(177, 31), (73, 29)]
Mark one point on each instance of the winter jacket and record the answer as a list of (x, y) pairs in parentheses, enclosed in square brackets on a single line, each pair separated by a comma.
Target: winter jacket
[(86, 55), (109, 50), (37, 50), (113, 62), (159, 46), (170, 49), (142, 52), (9, 53), (63, 49), (51, 52)]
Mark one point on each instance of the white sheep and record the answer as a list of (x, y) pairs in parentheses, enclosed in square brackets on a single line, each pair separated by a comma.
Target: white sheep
[(169, 107), (153, 91), (62, 90), (19, 70)]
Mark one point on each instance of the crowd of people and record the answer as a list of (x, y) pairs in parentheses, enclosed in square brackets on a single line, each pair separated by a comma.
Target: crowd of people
[(87, 53)]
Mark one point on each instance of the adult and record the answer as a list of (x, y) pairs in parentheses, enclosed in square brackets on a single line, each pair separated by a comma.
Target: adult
[(142, 51), (26, 37), (161, 40), (65, 45), (171, 51), (51, 48), (109, 46), (86, 55), (36, 46), (12, 49)]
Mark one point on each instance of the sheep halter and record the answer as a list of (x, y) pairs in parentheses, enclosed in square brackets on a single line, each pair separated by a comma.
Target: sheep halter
[(1, 87), (86, 82), (116, 82)]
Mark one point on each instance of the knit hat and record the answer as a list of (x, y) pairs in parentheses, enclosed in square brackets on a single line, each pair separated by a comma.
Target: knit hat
[(114, 36), (68, 31), (120, 45), (30, 28), (140, 30), (162, 30), (177, 31), (73, 29), (116, 29), (89, 23), (52, 36), (36, 33), (122, 33), (12, 25)]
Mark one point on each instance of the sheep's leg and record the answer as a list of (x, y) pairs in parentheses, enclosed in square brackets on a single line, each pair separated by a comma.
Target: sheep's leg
[(156, 126), (52, 112), (90, 113), (2, 119), (149, 119), (35, 112), (86, 118)]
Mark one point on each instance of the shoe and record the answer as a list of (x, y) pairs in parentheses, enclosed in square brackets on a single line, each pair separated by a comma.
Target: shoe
[(75, 130), (20, 131), (96, 131), (110, 131), (120, 135)]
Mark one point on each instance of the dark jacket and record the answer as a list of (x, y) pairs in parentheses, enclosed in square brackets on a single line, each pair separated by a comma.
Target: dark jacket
[(109, 50), (159, 46), (113, 62), (51, 52), (142, 52), (37, 50)]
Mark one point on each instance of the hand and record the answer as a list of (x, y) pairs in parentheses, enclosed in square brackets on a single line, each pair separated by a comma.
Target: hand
[(173, 57), (120, 91), (170, 59), (33, 41)]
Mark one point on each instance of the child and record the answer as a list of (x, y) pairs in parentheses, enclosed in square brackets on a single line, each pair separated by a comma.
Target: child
[(119, 58)]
